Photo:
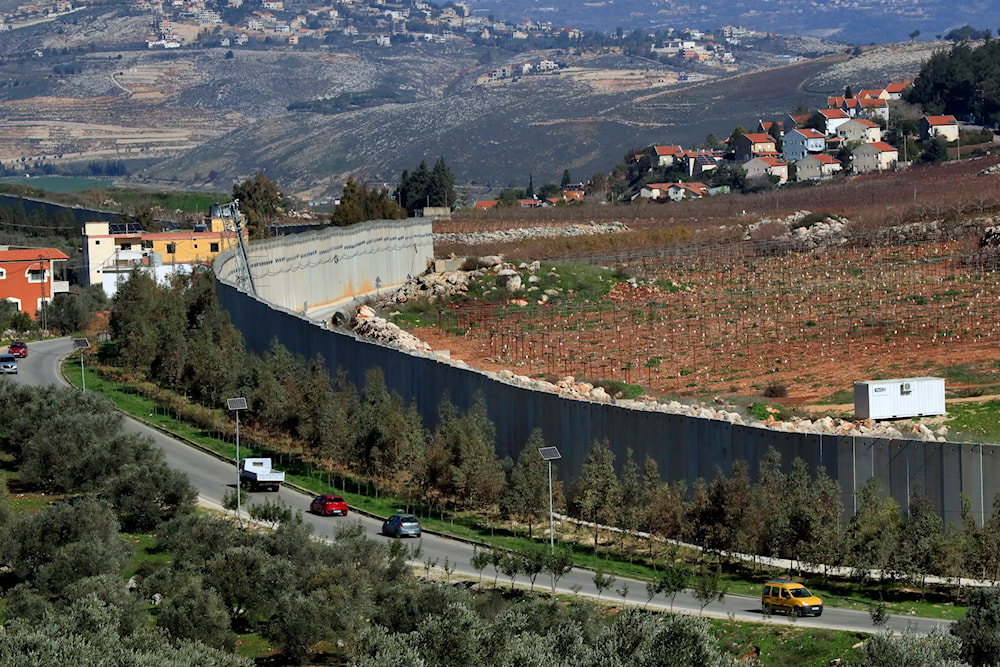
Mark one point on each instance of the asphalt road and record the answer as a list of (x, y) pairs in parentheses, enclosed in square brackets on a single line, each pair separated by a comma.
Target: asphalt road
[(214, 477)]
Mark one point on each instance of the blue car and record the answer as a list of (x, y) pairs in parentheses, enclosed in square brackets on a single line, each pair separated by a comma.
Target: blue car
[(401, 525)]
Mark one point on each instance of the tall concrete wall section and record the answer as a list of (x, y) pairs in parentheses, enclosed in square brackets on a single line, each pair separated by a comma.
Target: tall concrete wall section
[(316, 269), (684, 448)]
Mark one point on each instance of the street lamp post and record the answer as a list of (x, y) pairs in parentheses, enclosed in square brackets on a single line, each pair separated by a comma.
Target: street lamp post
[(550, 454), (82, 344), (237, 405)]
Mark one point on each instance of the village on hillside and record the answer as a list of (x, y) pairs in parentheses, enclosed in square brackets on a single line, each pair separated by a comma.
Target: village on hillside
[(848, 136)]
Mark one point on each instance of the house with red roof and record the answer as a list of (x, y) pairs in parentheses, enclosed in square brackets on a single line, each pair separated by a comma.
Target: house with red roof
[(27, 277), (793, 121), (877, 156), (653, 191), (679, 191), (668, 156), (832, 119), (874, 94), (860, 130), (764, 127), (896, 89), (817, 167), (698, 162), (767, 166), (801, 142), (747, 146), (945, 127)]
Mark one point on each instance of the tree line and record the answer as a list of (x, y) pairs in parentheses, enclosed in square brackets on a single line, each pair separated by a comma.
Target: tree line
[(963, 81)]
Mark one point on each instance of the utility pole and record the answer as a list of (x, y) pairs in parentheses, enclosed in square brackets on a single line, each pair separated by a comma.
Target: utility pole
[(41, 302)]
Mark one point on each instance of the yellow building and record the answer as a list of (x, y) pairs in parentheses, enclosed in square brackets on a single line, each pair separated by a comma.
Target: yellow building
[(113, 250)]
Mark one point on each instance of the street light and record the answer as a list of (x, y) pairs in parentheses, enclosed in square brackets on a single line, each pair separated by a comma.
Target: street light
[(550, 454), (82, 344), (236, 405)]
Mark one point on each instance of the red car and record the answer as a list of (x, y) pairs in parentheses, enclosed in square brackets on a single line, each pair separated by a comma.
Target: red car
[(18, 348), (328, 504)]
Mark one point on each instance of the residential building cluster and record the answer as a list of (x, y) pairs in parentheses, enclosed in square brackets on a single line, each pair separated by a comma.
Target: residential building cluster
[(32, 13), (573, 193), (355, 19), (849, 140), (111, 253)]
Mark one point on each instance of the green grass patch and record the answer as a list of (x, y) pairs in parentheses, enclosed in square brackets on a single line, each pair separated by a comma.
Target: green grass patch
[(782, 645), (974, 422), (254, 646), (146, 553), (839, 397), (967, 374)]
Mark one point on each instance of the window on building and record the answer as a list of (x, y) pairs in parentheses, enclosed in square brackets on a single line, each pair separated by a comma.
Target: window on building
[(148, 245), (36, 275), (171, 248), (214, 247), (3, 274)]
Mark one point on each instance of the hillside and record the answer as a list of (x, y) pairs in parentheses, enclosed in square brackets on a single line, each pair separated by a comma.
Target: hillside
[(204, 117)]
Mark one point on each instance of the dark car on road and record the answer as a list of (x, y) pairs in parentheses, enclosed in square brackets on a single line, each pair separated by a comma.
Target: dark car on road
[(401, 525), (18, 348), (328, 504)]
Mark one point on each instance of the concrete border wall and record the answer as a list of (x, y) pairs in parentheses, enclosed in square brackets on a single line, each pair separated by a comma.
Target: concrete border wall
[(685, 448), (322, 268)]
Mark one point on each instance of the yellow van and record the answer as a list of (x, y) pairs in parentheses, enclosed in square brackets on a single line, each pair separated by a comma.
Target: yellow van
[(790, 597)]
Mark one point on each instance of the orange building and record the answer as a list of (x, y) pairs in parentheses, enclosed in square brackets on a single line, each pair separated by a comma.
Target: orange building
[(27, 277)]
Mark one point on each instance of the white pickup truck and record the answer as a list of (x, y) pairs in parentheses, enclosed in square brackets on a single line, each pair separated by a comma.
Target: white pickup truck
[(257, 475)]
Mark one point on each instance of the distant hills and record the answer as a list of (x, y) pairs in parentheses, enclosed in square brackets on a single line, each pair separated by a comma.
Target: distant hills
[(847, 21), (494, 137), (205, 116)]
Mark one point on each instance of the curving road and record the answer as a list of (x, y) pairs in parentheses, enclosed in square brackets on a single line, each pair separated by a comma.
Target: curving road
[(213, 477)]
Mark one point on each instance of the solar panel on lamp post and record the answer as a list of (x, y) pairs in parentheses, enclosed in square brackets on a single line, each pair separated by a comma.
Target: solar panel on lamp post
[(82, 344), (550, 454), (237, 405)]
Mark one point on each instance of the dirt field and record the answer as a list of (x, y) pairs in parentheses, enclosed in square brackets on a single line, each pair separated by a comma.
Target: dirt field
[(734, 323)]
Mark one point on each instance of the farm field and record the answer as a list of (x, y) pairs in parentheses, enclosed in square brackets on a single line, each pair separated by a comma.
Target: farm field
[(732, 321), (916, 296)]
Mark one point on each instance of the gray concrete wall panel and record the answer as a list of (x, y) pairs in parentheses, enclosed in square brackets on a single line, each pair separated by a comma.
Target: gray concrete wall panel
[(336, 263), (954, 481)]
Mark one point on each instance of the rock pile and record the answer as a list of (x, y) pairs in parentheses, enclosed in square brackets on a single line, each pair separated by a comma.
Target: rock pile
[(515, 281), (510, 235), (568, 387), (801, 235), (367, 323)]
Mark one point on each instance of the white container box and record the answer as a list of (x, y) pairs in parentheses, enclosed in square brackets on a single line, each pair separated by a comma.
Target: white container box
[(898, 399)]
